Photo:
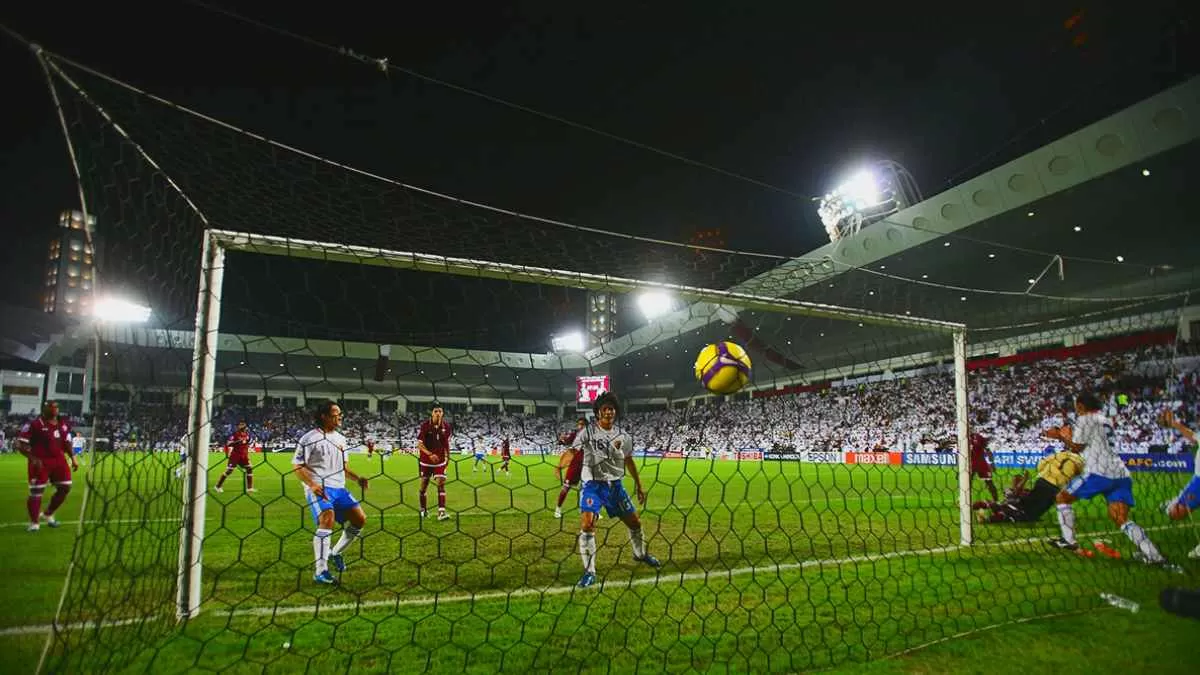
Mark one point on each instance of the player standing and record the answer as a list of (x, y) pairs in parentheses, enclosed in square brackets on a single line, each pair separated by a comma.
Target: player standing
[(238, 450), (573, 461), (505, 457), (1188, 499), (370, 447), (607, 455), (320, 462), (46, 443), (1103, 474), (981, 456), (433, 446)]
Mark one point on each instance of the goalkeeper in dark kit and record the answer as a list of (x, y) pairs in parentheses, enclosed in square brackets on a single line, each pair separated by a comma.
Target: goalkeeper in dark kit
[(1026, 505)]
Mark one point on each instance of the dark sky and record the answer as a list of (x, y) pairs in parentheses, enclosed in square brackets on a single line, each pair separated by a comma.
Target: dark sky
[(783, 92)]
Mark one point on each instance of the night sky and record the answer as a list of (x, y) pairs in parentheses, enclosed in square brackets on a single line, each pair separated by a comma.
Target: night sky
[(788, 97)]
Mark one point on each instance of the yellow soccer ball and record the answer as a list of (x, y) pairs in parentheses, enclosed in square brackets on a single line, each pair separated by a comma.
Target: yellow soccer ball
[(723, 368)]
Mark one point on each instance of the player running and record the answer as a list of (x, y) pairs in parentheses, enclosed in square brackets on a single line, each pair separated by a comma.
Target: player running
[(1103, 474), (433, 446), (607, 454), (238, 450), (320, 462), (480, 456), (505, 457), (46, 443), (981, 456), (573, 461), (1188, 499)]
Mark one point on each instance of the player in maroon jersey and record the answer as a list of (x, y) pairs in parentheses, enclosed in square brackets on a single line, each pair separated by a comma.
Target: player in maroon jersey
[(981, 456), (238, 449), (370, 447), (46, 443), (573, 461), (433, 448), (505, 456)]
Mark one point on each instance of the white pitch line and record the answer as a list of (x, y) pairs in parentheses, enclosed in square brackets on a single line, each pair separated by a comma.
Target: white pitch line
[(25, 523), (46, 628), (676, 578)]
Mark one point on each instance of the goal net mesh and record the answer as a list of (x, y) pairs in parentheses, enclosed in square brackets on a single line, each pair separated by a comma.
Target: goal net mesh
[(811, 519)]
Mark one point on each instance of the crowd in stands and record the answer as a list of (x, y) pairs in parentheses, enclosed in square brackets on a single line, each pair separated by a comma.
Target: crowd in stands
[(910, 414), (1019, 402)]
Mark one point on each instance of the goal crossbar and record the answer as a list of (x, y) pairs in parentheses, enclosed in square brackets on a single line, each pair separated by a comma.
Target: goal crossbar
[(471, 267)]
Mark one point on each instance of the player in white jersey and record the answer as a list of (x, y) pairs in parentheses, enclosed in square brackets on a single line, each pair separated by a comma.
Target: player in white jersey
[(180, 448), (607, 455), (1189, 498), (1103, 474), (320, 462)]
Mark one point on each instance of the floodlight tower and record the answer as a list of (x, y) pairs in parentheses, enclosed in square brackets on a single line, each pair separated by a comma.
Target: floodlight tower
[(869, 195)]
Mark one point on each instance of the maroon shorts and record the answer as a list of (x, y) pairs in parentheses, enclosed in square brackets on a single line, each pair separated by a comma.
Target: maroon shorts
[(573, 475), (981, 468), (54, 470), (243, 462), (438, 471)]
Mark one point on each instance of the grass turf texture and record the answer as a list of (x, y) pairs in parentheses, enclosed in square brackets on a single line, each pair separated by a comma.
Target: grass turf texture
[(769, 567)]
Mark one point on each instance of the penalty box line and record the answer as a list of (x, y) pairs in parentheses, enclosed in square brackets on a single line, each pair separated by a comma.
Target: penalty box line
[(661, 579)]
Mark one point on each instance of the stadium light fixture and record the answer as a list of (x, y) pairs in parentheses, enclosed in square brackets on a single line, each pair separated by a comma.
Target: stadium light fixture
[(567, 342), (868, 195), (117, 310), (655, 304)]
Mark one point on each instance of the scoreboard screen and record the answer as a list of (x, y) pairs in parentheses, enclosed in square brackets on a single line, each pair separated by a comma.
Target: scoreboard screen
[(588, 387)]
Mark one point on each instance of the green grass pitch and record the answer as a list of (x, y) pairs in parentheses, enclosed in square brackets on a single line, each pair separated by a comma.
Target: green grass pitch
[(769, 567)]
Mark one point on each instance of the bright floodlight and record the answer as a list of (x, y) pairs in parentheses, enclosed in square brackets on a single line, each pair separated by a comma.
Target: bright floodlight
[(655, 304), (117, 310), (567, 342), (862, 190), (869, 195)]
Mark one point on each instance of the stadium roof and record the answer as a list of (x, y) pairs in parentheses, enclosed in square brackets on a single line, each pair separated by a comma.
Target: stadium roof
[(969, 253)]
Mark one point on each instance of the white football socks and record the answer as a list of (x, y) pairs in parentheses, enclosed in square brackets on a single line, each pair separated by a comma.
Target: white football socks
[(587, 551), (1066, 522), (1138, 536), (349, 534), (637, 542), (321, 549)]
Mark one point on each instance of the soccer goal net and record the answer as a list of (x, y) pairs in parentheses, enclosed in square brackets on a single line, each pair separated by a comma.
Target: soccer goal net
[(856, 498)]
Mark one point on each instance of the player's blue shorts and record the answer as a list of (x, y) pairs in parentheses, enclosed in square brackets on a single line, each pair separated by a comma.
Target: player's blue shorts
[(478, 454), (1115, 490), (339, 500), (611, 495), (1190, 496)]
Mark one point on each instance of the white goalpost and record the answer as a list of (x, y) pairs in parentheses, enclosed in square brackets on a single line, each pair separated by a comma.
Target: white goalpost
[(710, 304)]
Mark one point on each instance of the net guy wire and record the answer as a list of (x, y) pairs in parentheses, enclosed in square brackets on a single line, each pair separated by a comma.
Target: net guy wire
[(47, 55)]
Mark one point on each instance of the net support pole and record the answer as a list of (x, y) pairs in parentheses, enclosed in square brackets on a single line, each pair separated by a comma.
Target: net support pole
[(963, 432), (200, 401)]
